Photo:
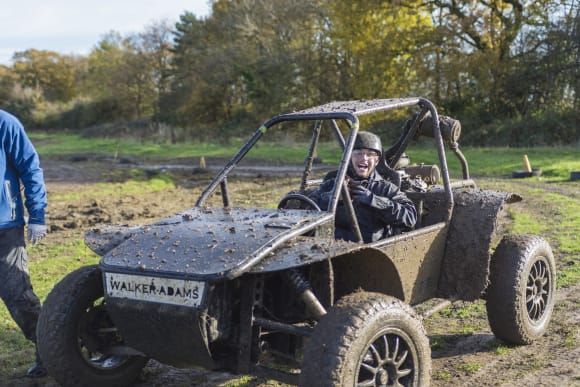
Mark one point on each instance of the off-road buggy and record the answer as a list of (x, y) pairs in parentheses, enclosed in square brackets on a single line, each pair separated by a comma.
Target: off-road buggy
[(271, 292)]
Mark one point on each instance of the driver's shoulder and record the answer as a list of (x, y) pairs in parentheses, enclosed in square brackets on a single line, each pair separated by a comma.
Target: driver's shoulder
[(330, 176)]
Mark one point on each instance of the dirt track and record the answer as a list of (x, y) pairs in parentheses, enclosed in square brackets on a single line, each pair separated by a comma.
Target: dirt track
[(473, 358)]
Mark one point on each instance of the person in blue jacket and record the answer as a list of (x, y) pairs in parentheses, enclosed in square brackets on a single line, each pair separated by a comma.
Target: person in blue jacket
[(20, 166)]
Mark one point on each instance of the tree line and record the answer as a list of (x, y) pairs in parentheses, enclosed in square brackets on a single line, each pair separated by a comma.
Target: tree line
[(508, 69)]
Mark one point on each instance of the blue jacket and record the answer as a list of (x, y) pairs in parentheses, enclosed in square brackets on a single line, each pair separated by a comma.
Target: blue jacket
[(19, 164)]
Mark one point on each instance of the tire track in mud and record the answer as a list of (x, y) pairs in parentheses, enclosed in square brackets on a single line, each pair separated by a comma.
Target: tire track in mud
[(550, 361)]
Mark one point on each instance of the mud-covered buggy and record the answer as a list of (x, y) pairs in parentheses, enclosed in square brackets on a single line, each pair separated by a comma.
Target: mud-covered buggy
[(270, 291)]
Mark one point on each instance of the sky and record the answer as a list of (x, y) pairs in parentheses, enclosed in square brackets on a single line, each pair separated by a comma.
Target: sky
[(76, 26)]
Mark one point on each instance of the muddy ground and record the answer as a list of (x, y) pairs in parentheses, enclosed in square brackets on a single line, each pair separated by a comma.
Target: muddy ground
[(474, 358)]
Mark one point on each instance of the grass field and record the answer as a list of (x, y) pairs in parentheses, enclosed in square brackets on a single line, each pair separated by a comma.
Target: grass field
[(555, 163)]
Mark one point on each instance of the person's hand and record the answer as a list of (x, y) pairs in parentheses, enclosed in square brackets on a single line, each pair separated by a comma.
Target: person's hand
[(36, 232), (361, 194)]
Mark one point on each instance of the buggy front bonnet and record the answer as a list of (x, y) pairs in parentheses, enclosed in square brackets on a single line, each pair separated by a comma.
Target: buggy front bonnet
[(205, 243)]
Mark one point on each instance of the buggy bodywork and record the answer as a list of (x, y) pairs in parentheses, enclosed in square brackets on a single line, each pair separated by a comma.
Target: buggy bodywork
[(223, 286)]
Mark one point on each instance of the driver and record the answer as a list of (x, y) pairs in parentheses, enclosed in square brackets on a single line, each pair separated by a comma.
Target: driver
[(381, 208)]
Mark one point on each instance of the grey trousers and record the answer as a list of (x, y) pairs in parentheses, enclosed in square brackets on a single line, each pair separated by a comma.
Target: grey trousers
[(15, 287)]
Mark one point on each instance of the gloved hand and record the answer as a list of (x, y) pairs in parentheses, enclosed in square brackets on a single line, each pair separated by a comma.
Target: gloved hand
[(36, 232), (361, 194)]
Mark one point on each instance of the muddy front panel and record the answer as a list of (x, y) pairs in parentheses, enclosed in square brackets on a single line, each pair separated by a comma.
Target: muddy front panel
[(170, 333)]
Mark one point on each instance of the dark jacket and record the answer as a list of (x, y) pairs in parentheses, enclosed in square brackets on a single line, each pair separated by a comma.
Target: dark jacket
[(389, 211), (19, 163)]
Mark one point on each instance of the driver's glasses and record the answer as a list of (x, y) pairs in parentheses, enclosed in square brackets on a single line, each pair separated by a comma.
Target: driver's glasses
[(369, 154)]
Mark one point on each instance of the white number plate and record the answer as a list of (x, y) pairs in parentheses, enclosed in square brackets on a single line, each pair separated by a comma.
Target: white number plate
[(154, 289)]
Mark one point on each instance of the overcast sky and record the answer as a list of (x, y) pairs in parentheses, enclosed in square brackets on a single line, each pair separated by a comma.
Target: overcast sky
[(76, 26)]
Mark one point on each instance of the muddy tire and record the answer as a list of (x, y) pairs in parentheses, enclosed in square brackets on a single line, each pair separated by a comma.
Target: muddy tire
[(74, 328), (367, 339), (520, 296)]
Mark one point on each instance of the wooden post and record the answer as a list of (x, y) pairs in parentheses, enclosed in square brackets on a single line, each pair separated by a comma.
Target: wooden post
[(527, 166)]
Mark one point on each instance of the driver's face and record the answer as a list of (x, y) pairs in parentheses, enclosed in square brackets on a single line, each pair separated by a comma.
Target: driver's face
[(364, 161)]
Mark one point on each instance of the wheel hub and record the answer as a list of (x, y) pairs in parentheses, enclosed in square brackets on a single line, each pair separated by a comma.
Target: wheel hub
[(382, 378), (537, 291)]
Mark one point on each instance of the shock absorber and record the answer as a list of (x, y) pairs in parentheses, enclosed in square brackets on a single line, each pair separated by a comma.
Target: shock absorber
[(302, 287)]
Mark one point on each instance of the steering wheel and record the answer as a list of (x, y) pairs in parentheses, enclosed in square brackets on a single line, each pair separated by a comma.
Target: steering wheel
[(301, 198)]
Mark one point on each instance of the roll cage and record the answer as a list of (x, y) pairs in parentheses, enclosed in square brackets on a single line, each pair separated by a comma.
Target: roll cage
[(349, 112)]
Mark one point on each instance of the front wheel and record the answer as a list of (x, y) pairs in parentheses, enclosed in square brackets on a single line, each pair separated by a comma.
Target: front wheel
[(77, 341), (367, 339), (520, 295)]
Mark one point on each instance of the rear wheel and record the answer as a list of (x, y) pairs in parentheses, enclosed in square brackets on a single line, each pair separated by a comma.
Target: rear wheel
[(520, 296), (77, 340), (367, 339)]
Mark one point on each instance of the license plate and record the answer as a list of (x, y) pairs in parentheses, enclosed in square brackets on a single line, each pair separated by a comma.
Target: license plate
[(154, 289)]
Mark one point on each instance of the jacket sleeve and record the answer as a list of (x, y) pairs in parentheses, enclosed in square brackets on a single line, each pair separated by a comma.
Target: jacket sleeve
[(394, 207), (24, 159), (323, 194)]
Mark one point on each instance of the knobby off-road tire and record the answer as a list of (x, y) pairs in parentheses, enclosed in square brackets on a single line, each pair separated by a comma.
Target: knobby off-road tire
[(520, 296), (73, 325), (367, 339)]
